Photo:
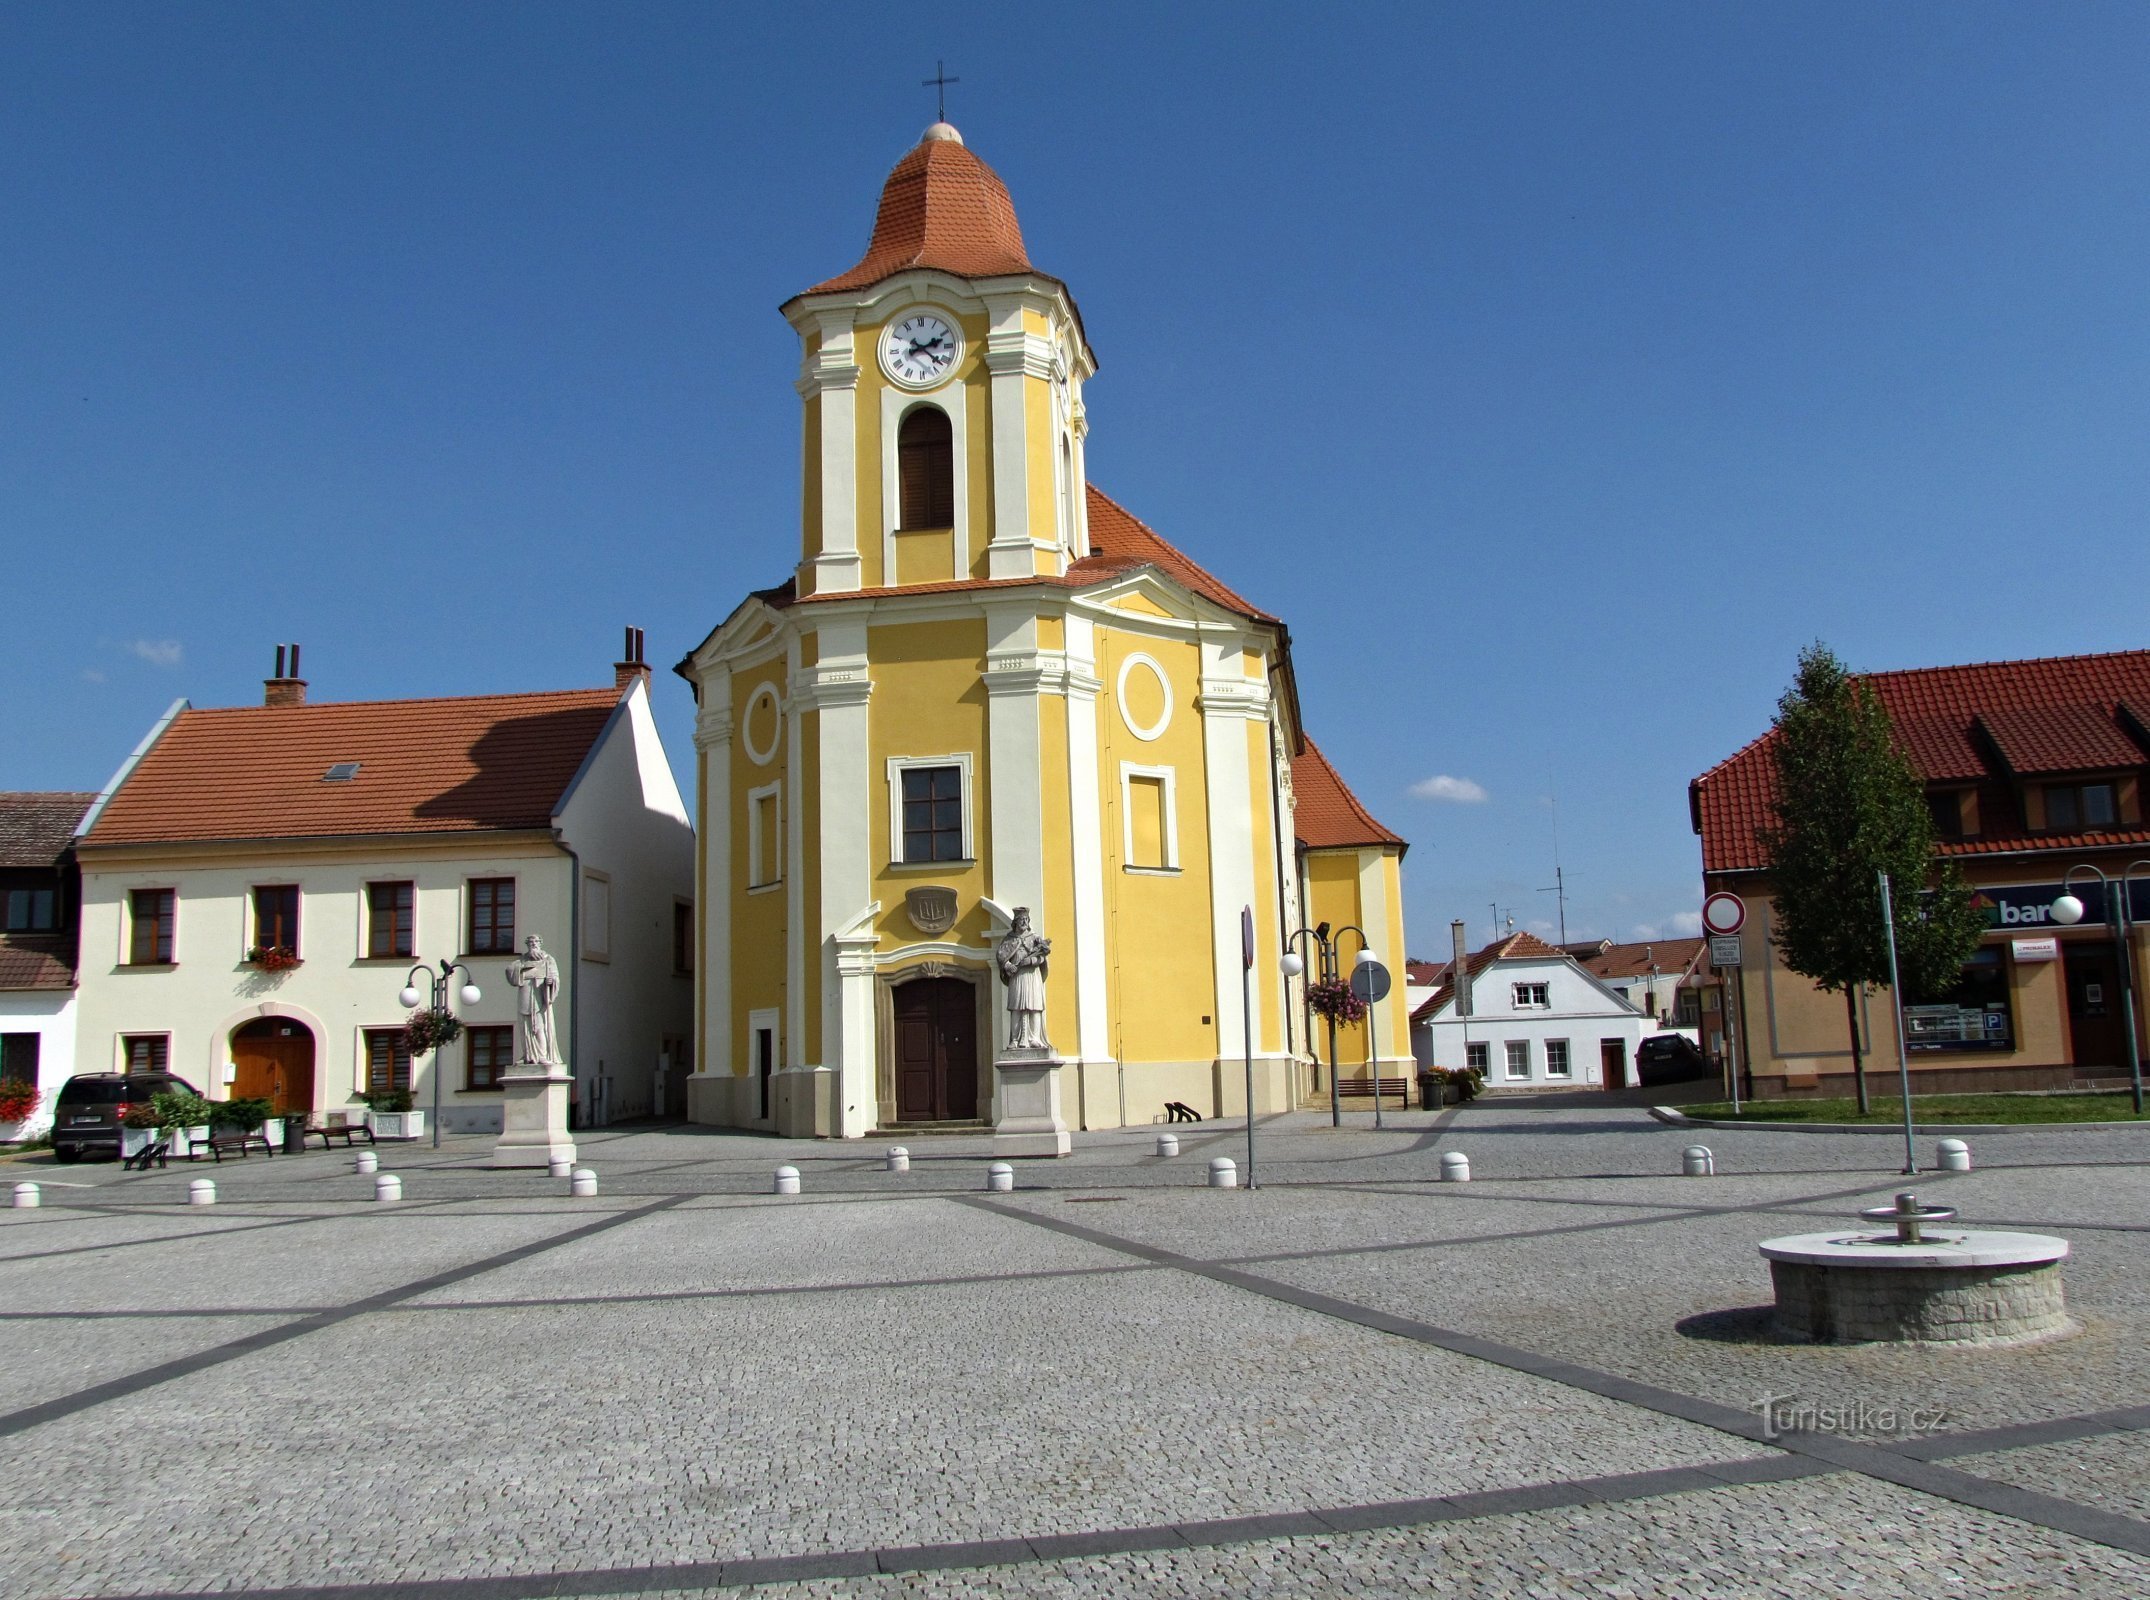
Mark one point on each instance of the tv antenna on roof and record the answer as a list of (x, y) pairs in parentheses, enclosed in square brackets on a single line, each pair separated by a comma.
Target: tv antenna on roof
[(939, 83), (1559, 885)]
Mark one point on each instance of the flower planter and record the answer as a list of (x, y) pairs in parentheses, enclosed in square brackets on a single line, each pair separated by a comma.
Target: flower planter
[(397, 1124), (133, 1141), (184, 1140), (273, 1131)]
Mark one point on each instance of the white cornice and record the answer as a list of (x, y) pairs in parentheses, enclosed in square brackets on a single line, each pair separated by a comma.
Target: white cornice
[(837, 683)]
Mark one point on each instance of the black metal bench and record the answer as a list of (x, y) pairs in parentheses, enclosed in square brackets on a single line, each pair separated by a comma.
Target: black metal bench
[(1365, 1087)]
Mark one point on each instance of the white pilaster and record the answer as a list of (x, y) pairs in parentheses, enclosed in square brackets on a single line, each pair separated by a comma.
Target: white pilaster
[(838, 687), (1230, 703), (1013, 676), (794, 867), (1086, 825), (1013, 358), (829, 380), (851, 954)]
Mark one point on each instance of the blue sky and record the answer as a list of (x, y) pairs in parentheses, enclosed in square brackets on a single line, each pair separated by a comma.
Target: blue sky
[(1557, 370)]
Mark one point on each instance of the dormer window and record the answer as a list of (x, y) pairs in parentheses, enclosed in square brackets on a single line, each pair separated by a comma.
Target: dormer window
[(2079, 805), (1946, 806), (926, 470)]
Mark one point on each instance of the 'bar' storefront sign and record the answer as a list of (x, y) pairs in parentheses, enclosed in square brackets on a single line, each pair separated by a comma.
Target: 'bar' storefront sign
[(2030, 905)]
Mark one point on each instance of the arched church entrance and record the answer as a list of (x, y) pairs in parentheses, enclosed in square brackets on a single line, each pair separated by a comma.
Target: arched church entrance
[(275, 1058), (935, 1040)]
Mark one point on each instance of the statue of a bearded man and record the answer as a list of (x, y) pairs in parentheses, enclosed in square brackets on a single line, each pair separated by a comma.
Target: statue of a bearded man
[(1021, 958)]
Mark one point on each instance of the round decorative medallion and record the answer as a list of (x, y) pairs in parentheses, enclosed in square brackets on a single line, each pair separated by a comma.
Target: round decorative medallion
[(1145, 698), (768, 724), (931, 908)]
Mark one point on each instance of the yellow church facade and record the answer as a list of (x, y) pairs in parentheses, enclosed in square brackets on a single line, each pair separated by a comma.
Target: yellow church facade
[(988, 687)]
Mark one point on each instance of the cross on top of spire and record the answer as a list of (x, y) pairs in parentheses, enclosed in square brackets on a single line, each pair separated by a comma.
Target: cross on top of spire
[(939, 83)]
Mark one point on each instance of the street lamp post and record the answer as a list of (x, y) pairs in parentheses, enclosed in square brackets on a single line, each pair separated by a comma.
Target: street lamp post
[(2068, 911), (1326, 947), (437, 987)]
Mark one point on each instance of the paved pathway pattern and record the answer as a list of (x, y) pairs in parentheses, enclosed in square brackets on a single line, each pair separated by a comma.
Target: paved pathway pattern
[(1351, 1380)]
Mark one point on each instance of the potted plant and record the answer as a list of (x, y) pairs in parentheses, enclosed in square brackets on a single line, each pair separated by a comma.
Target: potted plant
[(249, 1115), (137, 1130), (1335, 1001), (1463, 1084), (273, 957), (389, 1113), (183, 1117), (18, 1104)]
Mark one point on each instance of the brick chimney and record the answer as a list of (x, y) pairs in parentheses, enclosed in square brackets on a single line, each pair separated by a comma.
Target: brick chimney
[(631, 667), (285, 689)]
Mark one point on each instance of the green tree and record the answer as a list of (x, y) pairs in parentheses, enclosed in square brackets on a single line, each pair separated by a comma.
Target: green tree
[(1850, 807)]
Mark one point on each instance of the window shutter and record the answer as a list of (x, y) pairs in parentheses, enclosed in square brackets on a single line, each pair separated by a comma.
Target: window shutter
[(926, 470)]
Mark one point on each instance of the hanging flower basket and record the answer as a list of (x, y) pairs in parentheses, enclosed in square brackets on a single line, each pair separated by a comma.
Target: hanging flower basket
[(1335, 1001), (429, 1030), (273, 957)]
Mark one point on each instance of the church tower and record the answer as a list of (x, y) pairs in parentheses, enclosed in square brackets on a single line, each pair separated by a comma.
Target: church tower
[(987, 687)]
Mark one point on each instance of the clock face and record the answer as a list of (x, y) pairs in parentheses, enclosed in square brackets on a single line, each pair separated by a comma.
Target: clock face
[(921, 349)]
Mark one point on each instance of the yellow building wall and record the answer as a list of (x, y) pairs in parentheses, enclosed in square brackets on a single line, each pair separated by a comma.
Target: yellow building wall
[(1055, 816), (1332, 893), (757, 913), (928, 700), (1163, 983)]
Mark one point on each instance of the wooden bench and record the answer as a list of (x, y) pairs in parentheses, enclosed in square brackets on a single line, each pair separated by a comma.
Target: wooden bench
[(224, 1142), (337, 1125), (1399, 1088)]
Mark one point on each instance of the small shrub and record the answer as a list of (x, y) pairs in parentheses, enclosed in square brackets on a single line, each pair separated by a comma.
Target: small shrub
[(138, 1116), (1466, 1081), (246, 1115), (390, 1099), (177, 1108), (19, 1100)]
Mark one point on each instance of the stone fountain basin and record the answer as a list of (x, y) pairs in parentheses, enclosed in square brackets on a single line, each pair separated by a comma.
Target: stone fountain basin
[(1955, 1287)]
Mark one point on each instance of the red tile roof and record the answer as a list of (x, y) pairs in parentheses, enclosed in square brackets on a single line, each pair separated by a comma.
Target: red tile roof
[(1510, 947), (34, 961), (1326, 815), (424, 766), (1669, 956), (35, 825), (1964, 725), (942, 207)]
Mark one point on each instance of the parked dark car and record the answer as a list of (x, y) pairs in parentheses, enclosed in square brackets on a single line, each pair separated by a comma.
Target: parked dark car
[(85, 1119), (1669, 1058)]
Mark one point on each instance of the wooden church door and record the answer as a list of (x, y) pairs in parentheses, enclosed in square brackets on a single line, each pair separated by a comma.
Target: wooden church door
[(936, 1051)]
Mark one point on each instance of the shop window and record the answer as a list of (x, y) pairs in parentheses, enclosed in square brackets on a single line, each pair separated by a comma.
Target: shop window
[(2079, 805), (1974, 1014)]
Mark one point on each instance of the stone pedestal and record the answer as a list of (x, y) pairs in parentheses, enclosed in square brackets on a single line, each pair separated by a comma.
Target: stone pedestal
[(533, 1117), (1956, 1288), (1030, 1123)]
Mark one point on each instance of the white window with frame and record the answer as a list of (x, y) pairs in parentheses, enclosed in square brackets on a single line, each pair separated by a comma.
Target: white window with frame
[(1556, 1059), (765, 836), (596, 915), (1478, 1058), (1149, 819), (1518, 1054), (1533, 997), (929, 810)]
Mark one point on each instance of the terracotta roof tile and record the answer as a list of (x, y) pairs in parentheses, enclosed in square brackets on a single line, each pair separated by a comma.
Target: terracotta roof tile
[(424, 766), (1959, 725), (944, 208), (1510, 947), (1326, 815), (34, 961), (35, 826), (1635, 960)]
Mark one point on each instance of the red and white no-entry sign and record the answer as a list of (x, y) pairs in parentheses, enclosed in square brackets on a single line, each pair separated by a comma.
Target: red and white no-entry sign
[(1723, 913)]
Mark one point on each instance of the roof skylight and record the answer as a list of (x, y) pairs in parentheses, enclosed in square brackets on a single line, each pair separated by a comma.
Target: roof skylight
[(341, 772)]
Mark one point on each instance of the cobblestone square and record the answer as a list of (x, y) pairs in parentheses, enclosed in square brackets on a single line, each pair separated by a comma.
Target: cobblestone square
[(1351, 1379)]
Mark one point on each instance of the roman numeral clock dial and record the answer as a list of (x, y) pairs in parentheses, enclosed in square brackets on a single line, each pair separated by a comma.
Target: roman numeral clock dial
[(920, 350)]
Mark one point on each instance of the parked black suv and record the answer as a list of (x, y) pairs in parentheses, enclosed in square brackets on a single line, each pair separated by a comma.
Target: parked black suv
[(1669, 1058), (85, 1119)]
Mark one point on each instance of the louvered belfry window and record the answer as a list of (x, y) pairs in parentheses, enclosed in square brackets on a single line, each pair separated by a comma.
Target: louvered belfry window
[(926, 470)]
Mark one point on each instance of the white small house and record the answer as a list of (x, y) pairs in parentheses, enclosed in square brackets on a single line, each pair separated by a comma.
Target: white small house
[(258, 884), (1530, 1018)]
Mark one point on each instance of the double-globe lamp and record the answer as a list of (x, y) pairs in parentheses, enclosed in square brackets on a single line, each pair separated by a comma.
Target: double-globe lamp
[(411, 997)]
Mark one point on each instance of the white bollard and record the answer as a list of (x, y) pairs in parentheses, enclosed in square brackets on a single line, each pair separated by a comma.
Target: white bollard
[(899, 1159), (1953, 1155), (1455, 1167), (1000, 1178), (387, 1186), (1168, 1144), (1223, 1172), (559, 1166), (201, 1192), (787, 1180), (1697, 1162), (582, 1184), (367, 1164), (28, 1197)]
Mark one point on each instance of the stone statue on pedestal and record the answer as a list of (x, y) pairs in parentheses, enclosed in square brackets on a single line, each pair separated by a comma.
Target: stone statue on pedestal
[(1022, 958), (536, 979)]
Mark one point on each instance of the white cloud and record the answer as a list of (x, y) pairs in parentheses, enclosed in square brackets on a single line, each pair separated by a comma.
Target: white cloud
[(158, 652), (92, 675), (1680, 925), (1462, 791)]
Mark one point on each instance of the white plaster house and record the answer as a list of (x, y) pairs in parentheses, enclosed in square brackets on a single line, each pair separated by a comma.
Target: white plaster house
[(39, 893), (367, 837), (1531, 1019)]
